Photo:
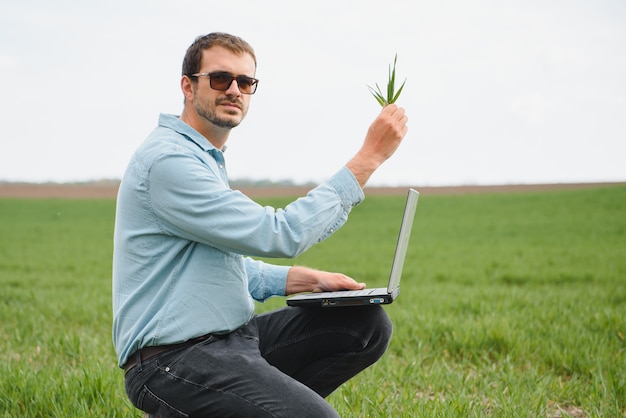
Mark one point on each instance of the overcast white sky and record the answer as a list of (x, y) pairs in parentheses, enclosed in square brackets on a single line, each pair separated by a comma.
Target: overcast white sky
[(497, 91)]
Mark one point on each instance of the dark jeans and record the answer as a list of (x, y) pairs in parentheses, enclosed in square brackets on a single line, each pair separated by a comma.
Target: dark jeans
[(281, 364)]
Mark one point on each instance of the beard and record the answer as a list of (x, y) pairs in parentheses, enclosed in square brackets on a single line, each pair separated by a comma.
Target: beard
[(206, 111)]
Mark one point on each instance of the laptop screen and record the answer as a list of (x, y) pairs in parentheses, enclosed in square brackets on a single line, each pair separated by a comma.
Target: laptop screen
[(403, 240)]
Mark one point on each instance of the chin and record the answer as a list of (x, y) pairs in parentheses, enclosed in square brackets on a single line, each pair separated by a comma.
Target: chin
[(227, 122)]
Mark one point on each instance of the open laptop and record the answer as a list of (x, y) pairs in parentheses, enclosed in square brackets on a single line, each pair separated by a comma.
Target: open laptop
[(366, 296)]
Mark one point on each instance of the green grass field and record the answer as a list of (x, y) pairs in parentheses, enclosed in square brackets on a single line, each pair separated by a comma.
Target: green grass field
[(512, 305)]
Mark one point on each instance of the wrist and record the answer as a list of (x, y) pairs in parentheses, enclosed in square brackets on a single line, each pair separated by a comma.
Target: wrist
[(362, 168), (300, 280)]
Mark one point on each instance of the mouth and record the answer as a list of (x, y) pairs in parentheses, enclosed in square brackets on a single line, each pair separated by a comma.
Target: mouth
[(230, 105)]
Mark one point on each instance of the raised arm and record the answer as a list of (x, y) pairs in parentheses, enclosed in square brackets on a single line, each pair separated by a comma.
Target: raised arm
[(383, 138)]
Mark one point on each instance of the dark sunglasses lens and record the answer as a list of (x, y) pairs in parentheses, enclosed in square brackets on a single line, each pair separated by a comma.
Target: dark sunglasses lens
[(221, 81), (245, 85)]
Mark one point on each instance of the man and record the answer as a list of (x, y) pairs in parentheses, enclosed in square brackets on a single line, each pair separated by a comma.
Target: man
[(184, 280)]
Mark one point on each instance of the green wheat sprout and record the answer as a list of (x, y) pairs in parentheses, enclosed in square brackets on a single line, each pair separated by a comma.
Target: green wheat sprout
[(392, 94)]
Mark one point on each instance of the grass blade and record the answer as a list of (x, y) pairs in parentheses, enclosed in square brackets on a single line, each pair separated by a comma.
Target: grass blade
[(392, 94)]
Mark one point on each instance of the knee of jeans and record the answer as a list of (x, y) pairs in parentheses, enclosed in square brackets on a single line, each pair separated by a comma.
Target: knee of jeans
[(384, 326), (380, 329)]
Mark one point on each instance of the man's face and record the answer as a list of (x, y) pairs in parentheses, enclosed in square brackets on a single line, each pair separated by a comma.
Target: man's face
[(225, 109)]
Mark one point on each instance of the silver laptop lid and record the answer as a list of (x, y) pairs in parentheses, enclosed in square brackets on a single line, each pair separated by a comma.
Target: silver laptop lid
[(403, 240)]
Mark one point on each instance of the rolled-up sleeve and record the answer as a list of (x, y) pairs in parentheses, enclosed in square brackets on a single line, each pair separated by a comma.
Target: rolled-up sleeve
[(265, 280)]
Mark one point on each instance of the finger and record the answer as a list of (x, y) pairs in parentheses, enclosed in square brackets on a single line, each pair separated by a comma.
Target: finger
[(399, 114), (354, 285), (389, 109)]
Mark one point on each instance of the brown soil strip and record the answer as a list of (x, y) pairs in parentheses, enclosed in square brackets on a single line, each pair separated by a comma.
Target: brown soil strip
[(109, 190)]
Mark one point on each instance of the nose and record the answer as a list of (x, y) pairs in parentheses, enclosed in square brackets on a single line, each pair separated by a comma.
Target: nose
[(233, 89)]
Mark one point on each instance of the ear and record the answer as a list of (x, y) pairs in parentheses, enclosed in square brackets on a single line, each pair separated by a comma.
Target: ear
[(187, 87)]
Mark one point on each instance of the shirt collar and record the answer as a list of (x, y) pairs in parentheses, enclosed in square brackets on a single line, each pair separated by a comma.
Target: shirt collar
[(173, 122)]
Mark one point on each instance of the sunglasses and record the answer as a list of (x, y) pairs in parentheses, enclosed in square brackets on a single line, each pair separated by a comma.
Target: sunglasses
[(222, 81)]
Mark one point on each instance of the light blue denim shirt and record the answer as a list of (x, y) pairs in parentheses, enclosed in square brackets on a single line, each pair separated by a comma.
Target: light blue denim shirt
[(183, 241)]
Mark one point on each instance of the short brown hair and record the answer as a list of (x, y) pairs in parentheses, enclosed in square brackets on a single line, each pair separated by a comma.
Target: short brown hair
[(193, 57)]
